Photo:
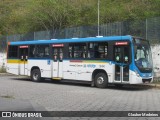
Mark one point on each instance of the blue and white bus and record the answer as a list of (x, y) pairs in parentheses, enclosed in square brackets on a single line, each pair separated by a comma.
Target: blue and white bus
[(97, 60)]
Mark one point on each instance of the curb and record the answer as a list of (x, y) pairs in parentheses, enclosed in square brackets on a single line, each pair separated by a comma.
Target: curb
[(6, 74), (155, 85)]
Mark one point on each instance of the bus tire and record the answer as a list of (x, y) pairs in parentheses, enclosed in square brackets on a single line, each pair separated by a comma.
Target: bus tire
[(36, 75), (101, 80)]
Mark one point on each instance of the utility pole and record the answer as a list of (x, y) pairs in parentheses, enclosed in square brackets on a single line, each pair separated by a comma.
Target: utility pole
[(98, 17)]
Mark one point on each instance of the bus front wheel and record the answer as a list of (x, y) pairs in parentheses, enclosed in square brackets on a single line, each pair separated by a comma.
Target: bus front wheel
[(36, 75), (101, 80)]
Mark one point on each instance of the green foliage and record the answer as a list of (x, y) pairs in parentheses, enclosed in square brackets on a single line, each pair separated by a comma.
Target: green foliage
[(2, 70), (22, 16)]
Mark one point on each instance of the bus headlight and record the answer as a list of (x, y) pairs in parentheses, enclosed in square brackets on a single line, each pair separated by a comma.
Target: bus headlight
[(137, 73)]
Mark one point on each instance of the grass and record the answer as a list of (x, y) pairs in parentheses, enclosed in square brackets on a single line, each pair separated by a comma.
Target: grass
[(156, 80), (2, 70), (7, 96)]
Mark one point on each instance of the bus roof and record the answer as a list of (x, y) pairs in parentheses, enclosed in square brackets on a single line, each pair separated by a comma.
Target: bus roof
[(88, 39)]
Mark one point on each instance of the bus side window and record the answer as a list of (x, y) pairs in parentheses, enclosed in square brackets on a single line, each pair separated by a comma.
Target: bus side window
[(102, 49), (13, 52), (46, 51), (91, 50), (84, 51), (97, 50), (70, 51), (39, 51), (43, 51), (96, 53), (32, 52), (78, 50)]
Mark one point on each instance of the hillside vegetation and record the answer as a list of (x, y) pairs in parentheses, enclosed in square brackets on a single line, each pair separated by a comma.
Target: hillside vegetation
[(22, 16)]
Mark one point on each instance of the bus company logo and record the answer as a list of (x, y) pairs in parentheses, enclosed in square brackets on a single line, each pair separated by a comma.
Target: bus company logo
[(84, 65), (91, 66), (6, 114)]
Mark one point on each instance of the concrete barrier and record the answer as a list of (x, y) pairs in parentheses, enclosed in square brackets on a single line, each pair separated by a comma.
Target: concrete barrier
[(3, 61)]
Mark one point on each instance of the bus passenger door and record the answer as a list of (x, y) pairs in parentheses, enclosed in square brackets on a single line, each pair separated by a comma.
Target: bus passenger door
[(121, 56), (23, 62), (57, 67)]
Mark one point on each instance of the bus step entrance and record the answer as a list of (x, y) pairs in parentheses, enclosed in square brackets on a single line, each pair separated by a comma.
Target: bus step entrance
[(56, 78)]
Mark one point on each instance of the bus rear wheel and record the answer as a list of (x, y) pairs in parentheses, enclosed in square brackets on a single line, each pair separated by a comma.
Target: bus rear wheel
[(36, 75), (101, 80)]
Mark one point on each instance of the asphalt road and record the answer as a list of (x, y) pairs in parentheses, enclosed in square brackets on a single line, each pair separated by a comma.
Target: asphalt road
[(21, 94)]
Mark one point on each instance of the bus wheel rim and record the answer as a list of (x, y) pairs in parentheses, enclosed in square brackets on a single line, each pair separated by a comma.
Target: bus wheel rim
[(100, 80), (35, 76)]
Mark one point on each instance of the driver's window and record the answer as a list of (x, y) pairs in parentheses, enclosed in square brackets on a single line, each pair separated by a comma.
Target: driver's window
[(140, 54)]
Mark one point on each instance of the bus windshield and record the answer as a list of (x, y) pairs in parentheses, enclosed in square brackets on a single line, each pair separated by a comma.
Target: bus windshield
[(143, 57)]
